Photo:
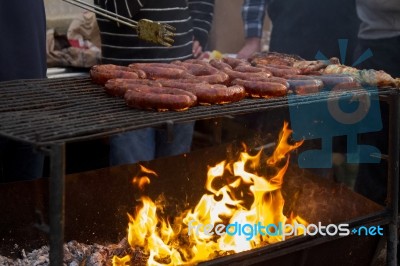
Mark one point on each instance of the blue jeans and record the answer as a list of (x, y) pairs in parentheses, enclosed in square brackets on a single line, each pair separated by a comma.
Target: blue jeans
[(19, 161), (149, 143)]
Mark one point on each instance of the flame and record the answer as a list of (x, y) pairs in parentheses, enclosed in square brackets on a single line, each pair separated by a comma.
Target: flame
[(236, 195), (142, 181)]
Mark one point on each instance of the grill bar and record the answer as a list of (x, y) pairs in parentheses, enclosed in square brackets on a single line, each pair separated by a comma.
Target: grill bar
[(44, 112)]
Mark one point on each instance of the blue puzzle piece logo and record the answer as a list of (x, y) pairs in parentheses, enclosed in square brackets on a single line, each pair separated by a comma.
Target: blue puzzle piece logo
[(342, 113)]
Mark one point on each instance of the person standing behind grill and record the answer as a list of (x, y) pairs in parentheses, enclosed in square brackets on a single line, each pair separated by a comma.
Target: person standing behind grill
[(379, 32), (301, 27), (121, 46), (22, 56)]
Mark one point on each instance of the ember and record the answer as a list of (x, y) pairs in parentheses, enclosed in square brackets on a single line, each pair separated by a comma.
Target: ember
[(236, 194)]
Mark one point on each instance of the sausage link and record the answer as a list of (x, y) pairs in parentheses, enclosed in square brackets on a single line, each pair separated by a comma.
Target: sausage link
[(99, 74), (217, 93), (249, 76), (219, 78), (159, 98), (118, 87), (332, 80), (280, 72), (218, 64), (209, 93), (155, 72), (197, 61), (198, 69), (346, 86), (305, 86), (282, 81), (234, 62), (262, 88), (248, 69)]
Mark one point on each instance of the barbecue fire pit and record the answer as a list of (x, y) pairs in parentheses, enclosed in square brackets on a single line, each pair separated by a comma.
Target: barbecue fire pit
[(96, 202)]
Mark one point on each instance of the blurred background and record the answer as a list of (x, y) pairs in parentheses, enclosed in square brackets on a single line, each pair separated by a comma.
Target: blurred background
[(226, 35)]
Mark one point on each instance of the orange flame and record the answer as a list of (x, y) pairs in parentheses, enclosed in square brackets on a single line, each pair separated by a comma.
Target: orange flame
[(245, 198)]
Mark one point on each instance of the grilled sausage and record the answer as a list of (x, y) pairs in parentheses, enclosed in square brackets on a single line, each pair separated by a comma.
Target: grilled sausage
[(159, 70), (305, 86), (262, 88), (277, 66), (332, 80), (219, 78), (209, 93), (297, 76), (218, 64), (280, 72), (197, 69), (101, 73), (282, 81), (248, 76), (248, 69), (159, 98), (234, 62), (179, 83), (217, 93), (118, 87), (196, 61), (347, 86)]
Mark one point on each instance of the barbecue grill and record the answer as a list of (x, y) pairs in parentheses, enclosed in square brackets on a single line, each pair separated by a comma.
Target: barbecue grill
[(51, 113)]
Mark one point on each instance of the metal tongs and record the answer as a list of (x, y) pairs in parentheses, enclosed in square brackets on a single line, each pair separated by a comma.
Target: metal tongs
[(147, 30)]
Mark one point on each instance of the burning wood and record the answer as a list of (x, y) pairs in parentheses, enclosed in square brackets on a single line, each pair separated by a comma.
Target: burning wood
[(80, 254)]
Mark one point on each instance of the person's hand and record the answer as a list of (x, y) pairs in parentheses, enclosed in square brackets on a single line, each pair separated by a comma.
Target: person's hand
[(251, 45), (197, 49)]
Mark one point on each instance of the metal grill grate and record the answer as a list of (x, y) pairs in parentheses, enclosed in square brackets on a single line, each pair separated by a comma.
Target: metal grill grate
[(44, 112)]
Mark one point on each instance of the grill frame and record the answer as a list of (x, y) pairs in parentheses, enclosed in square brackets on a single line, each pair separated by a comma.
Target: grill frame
[(50, 113)]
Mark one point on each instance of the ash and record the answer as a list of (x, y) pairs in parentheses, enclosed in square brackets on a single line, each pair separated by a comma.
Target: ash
[(75, 254)]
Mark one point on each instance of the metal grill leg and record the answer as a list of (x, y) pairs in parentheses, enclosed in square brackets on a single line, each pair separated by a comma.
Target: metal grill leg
[(56, 211), (393, 179)]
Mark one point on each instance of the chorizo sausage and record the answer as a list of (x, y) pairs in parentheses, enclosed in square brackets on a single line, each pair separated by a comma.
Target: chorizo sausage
[(280, 72), (154, 72), (159, 98), (118, 87), (305, 86), (346, 86), (332, 80), (209, 93), (197, 69), (234, 62), (218, 64), (179, 83), (219, 78), (248, 76), (99, 74), (217, 93), (197, 61), (248, 69), (262, 88), (273, 79)]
